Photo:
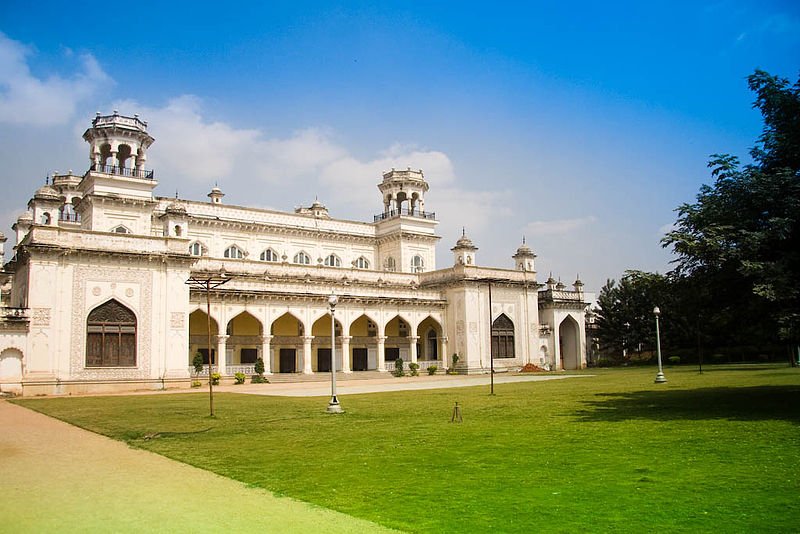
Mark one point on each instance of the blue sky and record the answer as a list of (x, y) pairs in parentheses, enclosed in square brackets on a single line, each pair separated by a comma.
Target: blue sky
[(580, 126)]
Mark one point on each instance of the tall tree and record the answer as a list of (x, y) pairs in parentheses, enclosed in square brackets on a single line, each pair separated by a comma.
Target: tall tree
[(741, 237)]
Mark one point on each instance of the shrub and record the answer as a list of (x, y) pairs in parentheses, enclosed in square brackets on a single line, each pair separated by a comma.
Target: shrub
[(239, 377), (258, 379), (414, 367), (452, 369), (398, 367), (674, 360), (432, 370), (196, 383), (197, 362), (215, 378), (259, 367)]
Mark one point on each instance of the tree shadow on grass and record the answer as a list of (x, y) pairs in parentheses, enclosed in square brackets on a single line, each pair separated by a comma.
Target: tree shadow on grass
[(761, 403)]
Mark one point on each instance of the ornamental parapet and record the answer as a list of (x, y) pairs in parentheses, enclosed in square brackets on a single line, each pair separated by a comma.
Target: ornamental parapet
[(108, 242)]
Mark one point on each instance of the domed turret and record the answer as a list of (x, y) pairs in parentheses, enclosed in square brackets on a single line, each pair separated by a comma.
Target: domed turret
[(464, 251), (47, 193), (216, 195), (524, 257)]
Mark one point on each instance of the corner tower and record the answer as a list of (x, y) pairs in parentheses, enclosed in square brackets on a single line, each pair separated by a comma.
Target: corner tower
[(405, 231), (117, 190)]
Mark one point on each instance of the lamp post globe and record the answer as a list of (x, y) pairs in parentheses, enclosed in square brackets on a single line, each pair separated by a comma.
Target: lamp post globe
[(333, 405), (660, 378)]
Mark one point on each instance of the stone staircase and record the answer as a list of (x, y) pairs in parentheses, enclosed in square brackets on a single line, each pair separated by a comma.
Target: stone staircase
[(284, 378)]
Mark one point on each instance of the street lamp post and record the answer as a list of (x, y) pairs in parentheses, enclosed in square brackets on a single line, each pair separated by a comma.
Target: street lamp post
[(627, 326), (660, 378), (207, 283), (333, 405)]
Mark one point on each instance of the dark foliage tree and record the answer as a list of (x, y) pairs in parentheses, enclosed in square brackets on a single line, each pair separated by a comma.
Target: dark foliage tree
[(738, 244)]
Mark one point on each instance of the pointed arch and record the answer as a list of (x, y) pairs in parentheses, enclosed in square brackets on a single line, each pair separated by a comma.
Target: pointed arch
[(302, 258), (332, 260), (361, 263), (569, 343), (121, 229), (269, 255), (198, 335), (234, 252), (503, 337), (430, 334), (287, 324), (245, 332), (111, 336), (198, 249)]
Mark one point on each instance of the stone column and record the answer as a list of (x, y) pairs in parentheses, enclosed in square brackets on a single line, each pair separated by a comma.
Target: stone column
[(346, 354), (412, 348), (443, 347), (381, 353), (307, 355), (266, 354), (222, 348)]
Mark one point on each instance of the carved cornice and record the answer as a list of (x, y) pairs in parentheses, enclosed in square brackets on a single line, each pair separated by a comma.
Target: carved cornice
[(265, 228)]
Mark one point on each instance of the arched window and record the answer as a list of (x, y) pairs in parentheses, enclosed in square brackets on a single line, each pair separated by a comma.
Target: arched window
[(234, 252), (391, 264), (121, 230), (196, 249), (45, 218), (269, 255), (362, 263), (178, 230), (111, 336), (333, 261), (502, 337), (417, 264), (302, 258)]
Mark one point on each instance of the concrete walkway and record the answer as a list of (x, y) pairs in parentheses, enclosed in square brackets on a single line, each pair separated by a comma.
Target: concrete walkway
[(59, 478)]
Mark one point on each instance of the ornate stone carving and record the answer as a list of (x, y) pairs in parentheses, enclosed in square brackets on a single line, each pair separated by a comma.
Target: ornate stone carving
[(84, 275), (177, 320), (41, 316)]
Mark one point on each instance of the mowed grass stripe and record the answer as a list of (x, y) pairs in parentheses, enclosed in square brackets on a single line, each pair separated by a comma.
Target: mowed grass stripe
[(711, 451)]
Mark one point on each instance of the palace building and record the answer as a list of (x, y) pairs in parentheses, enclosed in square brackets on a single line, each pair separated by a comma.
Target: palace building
[(95, 297)]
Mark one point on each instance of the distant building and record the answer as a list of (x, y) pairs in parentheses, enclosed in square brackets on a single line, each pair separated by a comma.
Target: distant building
[(95, 297)]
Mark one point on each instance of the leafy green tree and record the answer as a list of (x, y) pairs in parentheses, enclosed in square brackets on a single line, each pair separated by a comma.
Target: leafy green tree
[(740, 239)]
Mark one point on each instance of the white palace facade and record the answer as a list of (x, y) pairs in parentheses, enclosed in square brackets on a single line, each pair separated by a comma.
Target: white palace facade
[(95, 297)]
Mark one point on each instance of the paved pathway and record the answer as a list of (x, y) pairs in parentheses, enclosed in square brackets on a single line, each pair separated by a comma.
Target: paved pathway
[(55, 477), (59, 478)]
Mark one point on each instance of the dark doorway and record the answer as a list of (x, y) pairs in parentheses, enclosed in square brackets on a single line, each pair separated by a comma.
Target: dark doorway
[(288, 359), (323, 360), (359, 359), (391, 353), (204, 352), (249, 355)]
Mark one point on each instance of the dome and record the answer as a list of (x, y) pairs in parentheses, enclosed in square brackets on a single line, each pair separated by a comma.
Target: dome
[(46, 193), (464, 242), (25, 217), (176, 208)]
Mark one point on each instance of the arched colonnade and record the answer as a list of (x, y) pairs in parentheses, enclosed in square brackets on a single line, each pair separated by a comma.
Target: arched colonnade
[(298, 340)]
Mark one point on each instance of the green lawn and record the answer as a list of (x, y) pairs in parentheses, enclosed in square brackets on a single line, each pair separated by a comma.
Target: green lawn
[(611, 452)]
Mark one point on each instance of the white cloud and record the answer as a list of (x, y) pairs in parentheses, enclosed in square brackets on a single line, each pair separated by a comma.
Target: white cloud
[(557, 227), (26, 99)]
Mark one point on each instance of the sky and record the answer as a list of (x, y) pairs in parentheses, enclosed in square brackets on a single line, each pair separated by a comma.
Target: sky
[(580, 126)]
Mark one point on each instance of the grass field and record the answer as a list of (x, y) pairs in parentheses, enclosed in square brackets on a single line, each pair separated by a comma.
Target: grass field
[(716, 451)]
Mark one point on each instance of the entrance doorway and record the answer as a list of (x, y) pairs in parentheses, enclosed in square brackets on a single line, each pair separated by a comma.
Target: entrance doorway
[(288, 361), (323, 360), (359, 359)]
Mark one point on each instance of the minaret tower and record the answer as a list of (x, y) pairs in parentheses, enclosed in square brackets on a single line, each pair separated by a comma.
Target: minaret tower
[(118, 145)]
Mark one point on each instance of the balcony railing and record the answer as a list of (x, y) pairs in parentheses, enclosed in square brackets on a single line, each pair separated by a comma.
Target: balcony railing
[(405, 212), (69, 217), (122, 171), (14, 314)]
